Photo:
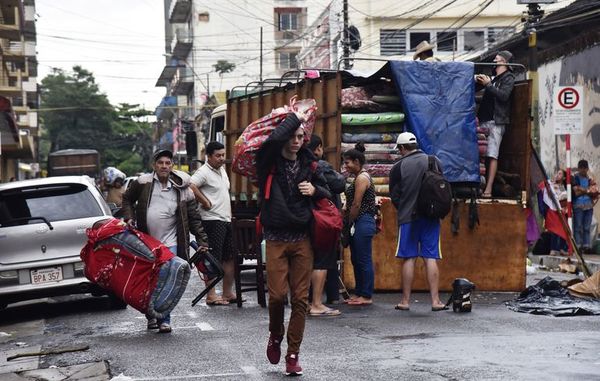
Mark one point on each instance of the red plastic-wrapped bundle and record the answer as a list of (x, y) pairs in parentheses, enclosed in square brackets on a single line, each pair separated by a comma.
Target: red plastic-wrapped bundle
[(136, 267), (250, 141)]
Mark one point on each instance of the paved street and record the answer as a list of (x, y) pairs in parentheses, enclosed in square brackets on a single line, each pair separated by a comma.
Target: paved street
[(365, 343)]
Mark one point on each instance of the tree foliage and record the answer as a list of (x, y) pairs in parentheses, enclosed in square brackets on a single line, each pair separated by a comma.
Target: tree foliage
[(78, 115), (223, 67)]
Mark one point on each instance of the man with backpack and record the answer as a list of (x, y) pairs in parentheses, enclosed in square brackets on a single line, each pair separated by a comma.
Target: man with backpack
[(422, 197)]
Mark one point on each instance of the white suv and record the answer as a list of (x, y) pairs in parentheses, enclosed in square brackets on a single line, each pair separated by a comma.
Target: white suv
[(42, 231)]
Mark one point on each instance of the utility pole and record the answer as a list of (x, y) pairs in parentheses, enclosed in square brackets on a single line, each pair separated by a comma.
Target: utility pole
[(208, 85), (346, 38), (532, 19), (261, 55), (534, 14)]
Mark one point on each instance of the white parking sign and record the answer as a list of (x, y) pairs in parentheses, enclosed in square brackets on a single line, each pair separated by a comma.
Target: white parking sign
[(568, 110)]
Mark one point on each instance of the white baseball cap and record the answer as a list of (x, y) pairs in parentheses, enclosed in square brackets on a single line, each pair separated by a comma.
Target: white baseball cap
[(406, 138)]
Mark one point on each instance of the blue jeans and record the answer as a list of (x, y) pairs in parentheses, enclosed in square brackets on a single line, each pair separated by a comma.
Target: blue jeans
[(361, 255), (582, 221), (167, 319)]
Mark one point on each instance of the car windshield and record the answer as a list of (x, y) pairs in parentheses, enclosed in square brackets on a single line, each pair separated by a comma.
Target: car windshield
[(54, 202)]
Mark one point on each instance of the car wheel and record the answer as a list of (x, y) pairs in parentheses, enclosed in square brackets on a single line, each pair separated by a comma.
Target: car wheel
[(115, 303)]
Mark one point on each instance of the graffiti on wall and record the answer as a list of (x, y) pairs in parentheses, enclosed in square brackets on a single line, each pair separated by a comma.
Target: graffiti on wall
[(575, 70)]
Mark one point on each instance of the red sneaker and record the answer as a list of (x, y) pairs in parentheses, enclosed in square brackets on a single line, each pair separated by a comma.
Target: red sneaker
[(274, 349), (292, 365)]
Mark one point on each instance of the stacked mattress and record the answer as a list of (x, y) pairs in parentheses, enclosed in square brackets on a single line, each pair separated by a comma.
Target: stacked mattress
[(482, 143), (373, 116)]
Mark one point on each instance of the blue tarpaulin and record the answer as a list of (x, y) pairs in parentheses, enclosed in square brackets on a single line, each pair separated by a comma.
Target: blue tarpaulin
[(439, 106)]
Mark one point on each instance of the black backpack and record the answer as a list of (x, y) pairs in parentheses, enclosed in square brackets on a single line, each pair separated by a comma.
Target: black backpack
[(435, 195)]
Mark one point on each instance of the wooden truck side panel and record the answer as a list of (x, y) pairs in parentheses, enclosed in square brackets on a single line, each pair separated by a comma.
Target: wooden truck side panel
[(242, 111), (74, 164), (493, 254)]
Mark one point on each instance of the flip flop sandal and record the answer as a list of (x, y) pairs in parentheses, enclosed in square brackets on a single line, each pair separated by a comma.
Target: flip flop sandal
[(217, 302), (400, 307), (326, 313), (359, 303), (443, 308)]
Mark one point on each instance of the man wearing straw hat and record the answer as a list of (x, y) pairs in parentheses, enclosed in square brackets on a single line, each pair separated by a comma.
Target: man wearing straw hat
[(424, 52)]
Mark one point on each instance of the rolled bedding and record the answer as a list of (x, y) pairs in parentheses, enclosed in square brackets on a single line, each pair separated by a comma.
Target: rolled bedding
[(381, 128), (374, 118), (382, 157), (373, 148), (371, 137), (376, 180), (382, 189), (375, 170)]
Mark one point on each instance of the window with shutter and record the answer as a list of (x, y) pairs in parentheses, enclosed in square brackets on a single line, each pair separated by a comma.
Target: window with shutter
[(392, 42)]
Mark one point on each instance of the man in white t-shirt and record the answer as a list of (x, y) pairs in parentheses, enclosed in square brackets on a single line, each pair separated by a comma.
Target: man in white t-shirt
[(212, 182)]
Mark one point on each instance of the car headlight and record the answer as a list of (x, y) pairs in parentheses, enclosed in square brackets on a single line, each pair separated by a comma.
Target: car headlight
[(11, 274), (9, 277)]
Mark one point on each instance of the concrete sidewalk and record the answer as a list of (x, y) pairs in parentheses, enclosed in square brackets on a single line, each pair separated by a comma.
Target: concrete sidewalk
[(552, 262), (95, 371)]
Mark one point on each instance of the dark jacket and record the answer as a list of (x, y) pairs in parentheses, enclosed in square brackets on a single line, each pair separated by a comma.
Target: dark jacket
[(137, 199), (405, 183), (336, 182), (497, 96), (287, 208)]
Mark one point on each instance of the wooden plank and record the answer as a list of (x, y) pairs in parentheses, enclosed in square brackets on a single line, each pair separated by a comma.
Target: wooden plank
[(515, 149), (492, 255)]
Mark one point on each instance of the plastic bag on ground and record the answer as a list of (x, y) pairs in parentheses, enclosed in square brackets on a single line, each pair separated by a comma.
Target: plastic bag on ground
[(548, 297)]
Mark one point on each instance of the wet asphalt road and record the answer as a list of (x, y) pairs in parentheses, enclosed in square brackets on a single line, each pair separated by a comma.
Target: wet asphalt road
[(364, 343)]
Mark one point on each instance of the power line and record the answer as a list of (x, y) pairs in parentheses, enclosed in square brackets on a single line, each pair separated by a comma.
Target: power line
[(410, 25)]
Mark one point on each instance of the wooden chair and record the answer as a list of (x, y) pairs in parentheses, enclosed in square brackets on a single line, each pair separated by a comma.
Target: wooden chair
[(247, 247)]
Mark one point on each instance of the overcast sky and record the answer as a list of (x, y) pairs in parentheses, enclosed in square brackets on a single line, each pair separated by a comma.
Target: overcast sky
[(120, 41)]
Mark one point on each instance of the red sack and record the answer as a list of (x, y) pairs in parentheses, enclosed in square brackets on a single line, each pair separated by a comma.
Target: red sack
[(132, 277), (327, 226), (250, 141), (327, 223)]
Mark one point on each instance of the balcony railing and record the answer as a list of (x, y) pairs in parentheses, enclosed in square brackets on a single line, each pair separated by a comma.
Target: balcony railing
[(180, 11), (182, 43), (183, 81), (18, 49)]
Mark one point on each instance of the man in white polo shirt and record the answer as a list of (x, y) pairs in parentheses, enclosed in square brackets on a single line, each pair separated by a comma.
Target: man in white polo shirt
[(212, 182)]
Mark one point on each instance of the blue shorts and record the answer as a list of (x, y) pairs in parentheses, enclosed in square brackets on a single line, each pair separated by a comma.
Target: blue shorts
[(419, 238)]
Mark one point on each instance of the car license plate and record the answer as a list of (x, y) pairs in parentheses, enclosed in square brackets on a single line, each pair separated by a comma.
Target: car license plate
[(47, 275)]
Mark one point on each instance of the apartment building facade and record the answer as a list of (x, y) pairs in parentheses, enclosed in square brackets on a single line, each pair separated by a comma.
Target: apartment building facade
[(19, 98), (202, 37), (391, 30)]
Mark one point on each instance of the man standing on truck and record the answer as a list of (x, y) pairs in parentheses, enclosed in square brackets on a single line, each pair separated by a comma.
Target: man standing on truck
[(424, 52), (418, 236), (285, 173), (161, 204), (494, 111), (212, 182)]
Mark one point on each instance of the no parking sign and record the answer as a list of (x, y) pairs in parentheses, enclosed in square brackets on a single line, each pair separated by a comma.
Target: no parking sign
[(568, 110)]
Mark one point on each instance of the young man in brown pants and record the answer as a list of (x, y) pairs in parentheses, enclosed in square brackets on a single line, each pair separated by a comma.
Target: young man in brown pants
[(286, 216)]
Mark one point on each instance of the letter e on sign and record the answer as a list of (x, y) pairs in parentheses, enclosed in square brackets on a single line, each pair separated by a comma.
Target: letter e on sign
[(568, 110)]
